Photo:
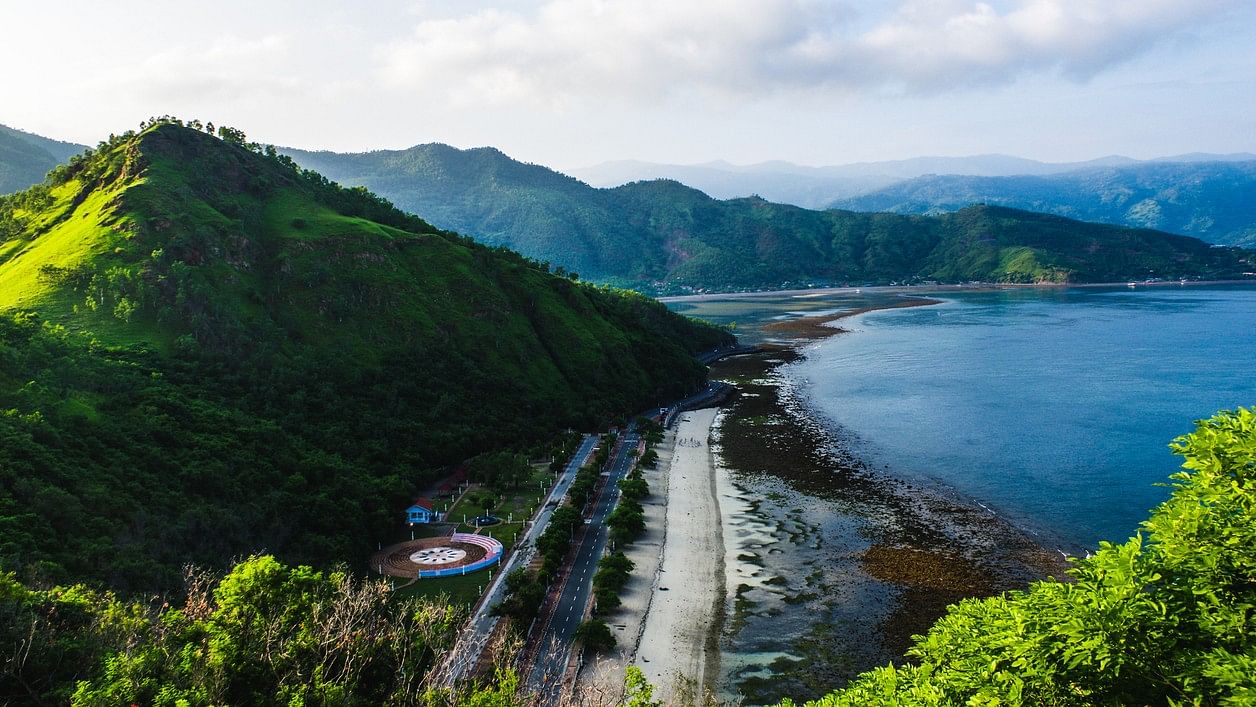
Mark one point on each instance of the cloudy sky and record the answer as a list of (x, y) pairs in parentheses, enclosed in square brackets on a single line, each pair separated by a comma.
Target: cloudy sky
[(570, 83)]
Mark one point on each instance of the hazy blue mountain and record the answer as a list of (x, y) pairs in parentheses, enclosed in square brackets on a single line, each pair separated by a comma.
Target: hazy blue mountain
[(25, 158), (817, 187), (59, 149), (664, 236), (783, 182), (1214, 201)]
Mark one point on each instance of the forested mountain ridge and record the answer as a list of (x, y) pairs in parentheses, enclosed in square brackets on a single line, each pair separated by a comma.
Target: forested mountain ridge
[(643, 237), (206, 352), (661, 236), (1213, 201), (485, 194), (25, 158)]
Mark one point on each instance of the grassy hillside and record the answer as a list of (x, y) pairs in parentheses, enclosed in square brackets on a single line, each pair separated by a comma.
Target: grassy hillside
[(662, 236), (205, 352), (1212, 201)]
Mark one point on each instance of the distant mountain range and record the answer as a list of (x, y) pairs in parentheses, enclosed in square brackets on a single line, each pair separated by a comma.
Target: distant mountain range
[(25, 158), (663, 236), (1214, 201), (818, 187)]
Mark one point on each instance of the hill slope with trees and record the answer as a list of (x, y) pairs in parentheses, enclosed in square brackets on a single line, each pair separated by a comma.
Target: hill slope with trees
[(661, 236), (206, 352)]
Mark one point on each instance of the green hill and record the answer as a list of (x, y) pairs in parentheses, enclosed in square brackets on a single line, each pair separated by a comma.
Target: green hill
[(205, 352), (662, 236), (485, 194)]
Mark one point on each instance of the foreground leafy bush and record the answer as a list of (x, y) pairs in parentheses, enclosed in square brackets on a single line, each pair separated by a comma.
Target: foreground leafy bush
[(1165, 619), (263, 634)]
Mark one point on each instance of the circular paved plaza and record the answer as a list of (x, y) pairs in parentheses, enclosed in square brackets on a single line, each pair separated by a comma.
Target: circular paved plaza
[(406, 559)]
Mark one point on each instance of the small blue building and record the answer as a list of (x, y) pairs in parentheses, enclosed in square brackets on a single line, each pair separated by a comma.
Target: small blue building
[(420, 511)]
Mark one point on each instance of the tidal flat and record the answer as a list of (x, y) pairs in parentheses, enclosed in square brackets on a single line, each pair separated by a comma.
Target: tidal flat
[(833, 566)]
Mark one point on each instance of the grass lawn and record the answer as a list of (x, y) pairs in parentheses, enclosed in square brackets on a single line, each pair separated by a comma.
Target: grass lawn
[(520, 502), (463, 589)]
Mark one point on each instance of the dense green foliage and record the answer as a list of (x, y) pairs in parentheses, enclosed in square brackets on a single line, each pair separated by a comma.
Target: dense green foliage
[(1209, 200), (595, 636), (525, 593), (638, 692), (1165, 618), (612, 575), (263, 634), (663, 236), (205, 351), (627, 521), (26, 158), (499, 471)]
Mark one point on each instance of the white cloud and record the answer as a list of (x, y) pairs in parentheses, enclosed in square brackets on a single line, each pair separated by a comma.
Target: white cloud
[(568, 50), (227, 68)]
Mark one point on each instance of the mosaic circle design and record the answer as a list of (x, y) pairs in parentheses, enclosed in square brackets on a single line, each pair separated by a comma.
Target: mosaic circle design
[(437, 556)]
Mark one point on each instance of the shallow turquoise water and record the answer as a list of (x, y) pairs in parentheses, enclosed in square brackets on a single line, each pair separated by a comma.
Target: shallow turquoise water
[(1054, 407)]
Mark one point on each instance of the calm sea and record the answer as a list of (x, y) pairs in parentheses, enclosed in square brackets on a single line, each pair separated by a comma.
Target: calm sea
[(1054, 407)]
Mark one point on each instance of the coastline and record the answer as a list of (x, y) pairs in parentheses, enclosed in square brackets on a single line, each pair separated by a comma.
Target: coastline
[(808, 568), (929, 289), (677, 648), (878, 557), (668, 623), (804, 330)]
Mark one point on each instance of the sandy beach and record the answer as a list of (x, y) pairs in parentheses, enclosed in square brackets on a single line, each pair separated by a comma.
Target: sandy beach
[(677, 641), (601, 682)]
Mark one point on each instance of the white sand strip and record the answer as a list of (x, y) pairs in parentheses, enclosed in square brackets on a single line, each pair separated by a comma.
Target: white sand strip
[(689, 589), (601, 682)]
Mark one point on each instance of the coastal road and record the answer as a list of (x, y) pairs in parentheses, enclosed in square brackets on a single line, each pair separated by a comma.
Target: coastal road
[(709, 396), (556, 637), (473, 637)]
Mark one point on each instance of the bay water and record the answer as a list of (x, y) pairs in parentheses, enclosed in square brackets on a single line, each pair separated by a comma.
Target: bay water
[(1052, 406)]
